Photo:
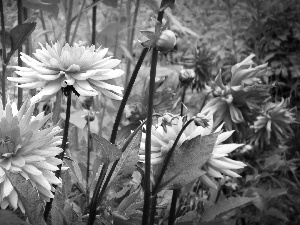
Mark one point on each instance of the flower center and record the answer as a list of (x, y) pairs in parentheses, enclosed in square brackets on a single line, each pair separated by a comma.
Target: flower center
[(7, 146)]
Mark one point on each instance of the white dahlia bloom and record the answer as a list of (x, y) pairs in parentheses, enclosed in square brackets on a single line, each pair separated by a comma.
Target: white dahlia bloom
[(163, 138), (27, 148), (84, 68)]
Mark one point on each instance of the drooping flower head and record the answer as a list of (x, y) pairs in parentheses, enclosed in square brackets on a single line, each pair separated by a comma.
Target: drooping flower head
[(84, 69), (27, 148), (273, 126), (164, 134), (238, 102)]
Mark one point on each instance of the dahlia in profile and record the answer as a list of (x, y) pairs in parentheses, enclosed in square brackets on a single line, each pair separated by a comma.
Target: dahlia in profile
[(164, 135), (83, 68), (27, 148)]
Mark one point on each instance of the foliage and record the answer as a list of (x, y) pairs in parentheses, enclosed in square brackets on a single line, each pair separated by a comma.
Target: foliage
[(241, 57)]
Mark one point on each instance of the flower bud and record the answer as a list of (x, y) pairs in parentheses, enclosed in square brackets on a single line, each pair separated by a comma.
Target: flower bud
[(186, 76), (166, 41)]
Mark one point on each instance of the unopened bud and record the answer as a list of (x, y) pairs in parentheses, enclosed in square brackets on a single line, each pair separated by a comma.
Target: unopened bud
[(201, 120), (187, 76), (166, 41)]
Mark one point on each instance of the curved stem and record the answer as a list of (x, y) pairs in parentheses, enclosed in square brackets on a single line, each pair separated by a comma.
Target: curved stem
[(168, 157), (63, 146), (89, 149), (3, 55), (94, 203), (126, 95)]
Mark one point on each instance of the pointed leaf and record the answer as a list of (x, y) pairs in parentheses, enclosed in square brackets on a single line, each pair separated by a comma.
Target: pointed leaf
[(128, 160), (186, 161), (149, 34), (109, 152), (30, 199), (18, 35), (224, 206), (57, 208)]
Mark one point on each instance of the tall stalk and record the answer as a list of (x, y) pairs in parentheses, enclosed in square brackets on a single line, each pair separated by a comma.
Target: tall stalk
[(89, 149), (94, 22), (147, 182), (63, 146), (77, 22), (44, 25), (137, 6), (20, 21), (69, 23), (3, 80)]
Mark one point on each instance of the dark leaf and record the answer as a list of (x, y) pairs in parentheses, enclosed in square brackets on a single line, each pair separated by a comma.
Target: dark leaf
[(166, 3), (148, 43), (186, 161), (33, 205), (10, 218), (109, 151), (128, 160), (18, 35), (149, 34)]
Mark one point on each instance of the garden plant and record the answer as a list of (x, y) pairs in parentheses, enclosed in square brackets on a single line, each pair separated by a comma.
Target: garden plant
[(149, 112)]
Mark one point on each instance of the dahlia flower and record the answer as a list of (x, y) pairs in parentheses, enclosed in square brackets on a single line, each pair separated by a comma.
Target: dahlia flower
[(164, 135), (238, 102), (56, 67), (274, 125), (28, 149)]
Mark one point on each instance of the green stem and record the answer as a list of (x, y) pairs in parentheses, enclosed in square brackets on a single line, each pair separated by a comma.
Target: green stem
[(126, 95), (89, 149), (92, 214), (147, 181), (63, 146), (3, 55), (20, 20), (168, 157), (94, 22), (172, 214), (182, 99), (153, 210)]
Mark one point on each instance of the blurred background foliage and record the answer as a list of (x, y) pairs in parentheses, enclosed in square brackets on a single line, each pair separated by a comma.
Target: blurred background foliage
[(212, 35)]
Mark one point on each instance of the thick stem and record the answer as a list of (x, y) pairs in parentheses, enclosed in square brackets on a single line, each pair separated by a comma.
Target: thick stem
[(172, 214), (92, 214), (137, 6), (63, 146), (94, 203), (147, 181), (89, 149), (168, 157), (153, 210), (94, 22), (3, 55), (182, 100), (77, 22), (126, 95), (20, 21)]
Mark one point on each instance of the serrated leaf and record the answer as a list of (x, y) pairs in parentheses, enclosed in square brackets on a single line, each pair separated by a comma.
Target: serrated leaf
[(30, 199), (10, 218), (224, 206), (18, 35), (128, 160), (166, 3), (109, 152), (186, 161)]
